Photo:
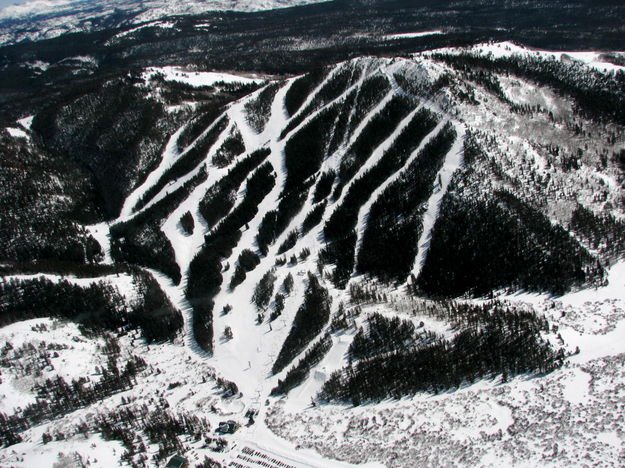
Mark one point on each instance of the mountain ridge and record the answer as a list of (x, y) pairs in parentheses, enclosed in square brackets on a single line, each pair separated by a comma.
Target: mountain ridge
[(454, 215)]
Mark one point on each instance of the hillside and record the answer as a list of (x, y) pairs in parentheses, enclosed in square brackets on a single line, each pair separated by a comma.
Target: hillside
[(392, 261)]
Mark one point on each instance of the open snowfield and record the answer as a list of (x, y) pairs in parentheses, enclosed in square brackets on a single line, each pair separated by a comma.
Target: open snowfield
[(196, 78)]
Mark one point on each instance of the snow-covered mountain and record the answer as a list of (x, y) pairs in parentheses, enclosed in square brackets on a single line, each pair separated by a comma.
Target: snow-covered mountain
[(410, 261), (44, 19)]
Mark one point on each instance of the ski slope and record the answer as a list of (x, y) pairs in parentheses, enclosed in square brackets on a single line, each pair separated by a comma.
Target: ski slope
[(487, 423)]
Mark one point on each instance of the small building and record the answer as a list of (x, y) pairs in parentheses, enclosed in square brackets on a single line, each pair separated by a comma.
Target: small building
[(177, 462), (227, 427)]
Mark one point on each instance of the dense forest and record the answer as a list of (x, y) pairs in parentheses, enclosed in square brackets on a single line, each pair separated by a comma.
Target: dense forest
[(482, 245), (45, 199), (98, 306), (339, 230), (493, 341), (310, 319)]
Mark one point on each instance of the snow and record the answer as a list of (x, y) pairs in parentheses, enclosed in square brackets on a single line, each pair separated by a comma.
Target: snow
[(39, 65), (615, 289), (593, 59), (79, 359), (17, 132), (93, 450), (196, 78), (86, 59), (523, 92), (100, 232), (411, 35), (152, 24), (26, 122), (576, 389)]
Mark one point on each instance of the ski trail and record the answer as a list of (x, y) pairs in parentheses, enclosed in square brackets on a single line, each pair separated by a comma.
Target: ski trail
[(375, 157), (101, 233), (382, 103), (241, 359), (318, 111), (177, 297), (185, 247), (453, 161), (172, 187), (170, 155), (363, 213), (313, 94)]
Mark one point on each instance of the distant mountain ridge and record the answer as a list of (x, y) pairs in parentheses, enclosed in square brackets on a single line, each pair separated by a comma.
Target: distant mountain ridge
[(45, 19)]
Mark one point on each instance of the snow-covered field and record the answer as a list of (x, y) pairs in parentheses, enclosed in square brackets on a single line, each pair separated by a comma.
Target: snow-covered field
[(411, 35), (196, 78)]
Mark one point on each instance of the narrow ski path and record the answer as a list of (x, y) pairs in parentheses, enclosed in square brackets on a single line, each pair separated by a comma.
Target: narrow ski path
[(187, 246), (170, 155), (363, 213), (453, 161)]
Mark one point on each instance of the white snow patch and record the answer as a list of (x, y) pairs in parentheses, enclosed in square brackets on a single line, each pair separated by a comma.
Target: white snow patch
[(101, 233), (615, 289), (197, 78), (153, 24), (26, 122), (411, 35), (16, 132), (576, 389), (38, 65), (593, 59), (87, 59), (78, 357), (92, 451)]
